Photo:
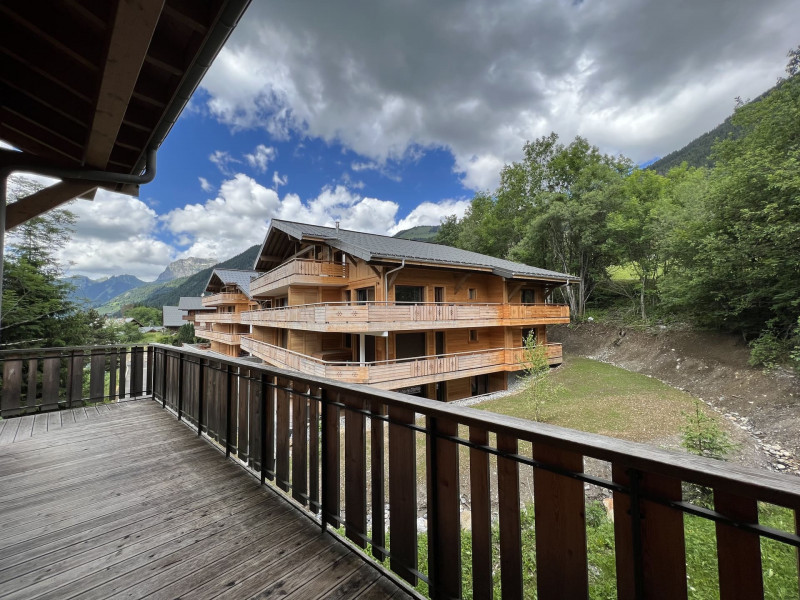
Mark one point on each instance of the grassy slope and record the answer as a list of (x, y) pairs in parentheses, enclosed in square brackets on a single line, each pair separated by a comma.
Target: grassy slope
[(601, 398)]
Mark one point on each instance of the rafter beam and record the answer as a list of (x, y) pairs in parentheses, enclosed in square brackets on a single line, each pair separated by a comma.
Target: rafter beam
[(132, 32), (460, 283), (46, 199)]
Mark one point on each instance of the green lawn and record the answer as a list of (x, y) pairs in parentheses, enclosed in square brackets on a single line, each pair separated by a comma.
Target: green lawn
[(601, 398)]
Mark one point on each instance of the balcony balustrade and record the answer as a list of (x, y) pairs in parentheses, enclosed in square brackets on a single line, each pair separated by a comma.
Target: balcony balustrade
[(351, 317), (232, 339), (392, 374), (225, 317), (300, 272), (346, 452), (224, 298)]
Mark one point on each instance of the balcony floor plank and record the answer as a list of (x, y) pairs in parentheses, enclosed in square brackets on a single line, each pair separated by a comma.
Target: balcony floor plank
[(122, 500)]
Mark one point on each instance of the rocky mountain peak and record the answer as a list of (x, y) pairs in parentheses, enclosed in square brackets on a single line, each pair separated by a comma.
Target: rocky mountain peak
[(185, 267)]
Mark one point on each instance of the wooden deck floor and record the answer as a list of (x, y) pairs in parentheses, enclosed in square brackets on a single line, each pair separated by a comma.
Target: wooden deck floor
[(122, 501)]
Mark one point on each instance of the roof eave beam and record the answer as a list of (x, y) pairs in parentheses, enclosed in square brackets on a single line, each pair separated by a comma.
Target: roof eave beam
[(46, 199), (134, 25)]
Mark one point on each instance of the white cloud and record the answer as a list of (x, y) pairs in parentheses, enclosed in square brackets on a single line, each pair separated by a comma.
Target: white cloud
[(431, 213), (224, 161), (642, 77), (278, 181), (205, 185), (114, 235), (261, 157)]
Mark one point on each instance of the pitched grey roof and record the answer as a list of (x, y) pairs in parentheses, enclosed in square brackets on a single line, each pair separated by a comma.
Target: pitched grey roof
[(369, 246), (193, 303), (172, 316), (236, 277)]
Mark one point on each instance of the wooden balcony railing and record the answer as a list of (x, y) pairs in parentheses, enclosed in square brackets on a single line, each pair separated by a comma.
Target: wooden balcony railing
[(224, 298), (397, 316), (44, 379), (232, 339), (300, 271), (390, 374), (347, 452), (226, 317)]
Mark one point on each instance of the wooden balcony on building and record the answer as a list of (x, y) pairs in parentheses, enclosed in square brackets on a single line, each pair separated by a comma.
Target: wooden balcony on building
[(224, 298), (299, 271), (232, 339), (225, 317), (351, 317), (393, 374), (126, 500)]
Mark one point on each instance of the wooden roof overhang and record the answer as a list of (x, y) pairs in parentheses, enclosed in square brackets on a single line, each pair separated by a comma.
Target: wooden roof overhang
[(92, 87)]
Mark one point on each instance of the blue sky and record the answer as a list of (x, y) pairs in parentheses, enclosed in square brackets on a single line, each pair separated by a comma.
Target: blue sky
[(387, 115)]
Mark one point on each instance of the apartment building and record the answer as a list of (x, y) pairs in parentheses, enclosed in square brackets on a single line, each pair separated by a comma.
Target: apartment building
[(228, 295), (420, 318)]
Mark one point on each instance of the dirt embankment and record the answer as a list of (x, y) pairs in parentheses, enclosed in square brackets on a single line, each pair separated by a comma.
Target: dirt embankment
[(711, 366)]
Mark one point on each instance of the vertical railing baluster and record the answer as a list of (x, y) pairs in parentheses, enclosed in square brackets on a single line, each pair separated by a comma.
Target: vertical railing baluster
[(181, 386), (480, 497), (228, 407), (510, 522), (263, 426), (282, 447), (560, 515), (331, 470), (112, 375), (738, 552), (201, 386), (402, 493), (377, 466), (149, 382), (444, 510), (299, 443), (123, 371), (313, 453), (355, 471)]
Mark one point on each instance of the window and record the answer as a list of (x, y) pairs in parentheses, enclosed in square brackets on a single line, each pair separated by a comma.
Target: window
[(473, 294), (529, 332), (364, 295), (348, 340), (528, 296), (409, 293), (473, 335), (438, 294)]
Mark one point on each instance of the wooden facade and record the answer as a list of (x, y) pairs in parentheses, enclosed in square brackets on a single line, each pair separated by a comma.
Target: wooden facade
[(442, 331), (223, 327)]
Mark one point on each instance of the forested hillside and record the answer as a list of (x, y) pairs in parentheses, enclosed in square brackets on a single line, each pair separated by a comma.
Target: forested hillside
[(168, 293), (718, 247)]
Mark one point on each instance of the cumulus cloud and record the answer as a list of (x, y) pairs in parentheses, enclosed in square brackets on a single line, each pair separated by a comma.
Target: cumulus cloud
[(431, 213), (238, 217), (261, 157), (115, 234), (642, 77)]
